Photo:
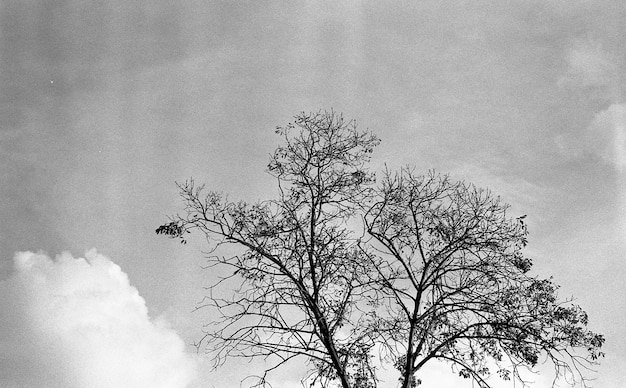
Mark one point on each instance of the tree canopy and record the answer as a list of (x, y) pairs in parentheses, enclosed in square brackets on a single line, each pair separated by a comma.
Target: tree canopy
[(349, 272)]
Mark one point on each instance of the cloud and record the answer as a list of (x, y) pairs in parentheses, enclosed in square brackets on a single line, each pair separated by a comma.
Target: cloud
[(519, 192), (595, 71), (590, 66), (607, 135), (77, 322), (604, 138)]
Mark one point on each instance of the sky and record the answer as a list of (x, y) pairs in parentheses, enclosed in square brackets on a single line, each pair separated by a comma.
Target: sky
[(105, 104)]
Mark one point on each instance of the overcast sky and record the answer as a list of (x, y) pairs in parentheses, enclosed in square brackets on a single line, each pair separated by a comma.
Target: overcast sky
[(105, 104)]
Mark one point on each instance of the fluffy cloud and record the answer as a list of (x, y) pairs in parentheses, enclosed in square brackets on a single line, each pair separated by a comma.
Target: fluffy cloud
[(77, 322)]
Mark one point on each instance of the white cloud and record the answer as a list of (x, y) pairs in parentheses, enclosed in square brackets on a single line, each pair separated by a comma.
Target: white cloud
[(522, 194), (604, 138), (77, 322), (607, 135), (589, 65)]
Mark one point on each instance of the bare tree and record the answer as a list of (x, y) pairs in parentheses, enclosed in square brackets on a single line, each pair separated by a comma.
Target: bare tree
[(300, 276), (454, 286), (335, 270)]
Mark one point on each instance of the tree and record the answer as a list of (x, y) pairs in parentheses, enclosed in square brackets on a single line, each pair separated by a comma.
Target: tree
[(300, 275), (455, 285), (337, 269)]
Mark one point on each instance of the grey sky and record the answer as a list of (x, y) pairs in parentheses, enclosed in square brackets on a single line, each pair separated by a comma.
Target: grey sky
[(105, 104)]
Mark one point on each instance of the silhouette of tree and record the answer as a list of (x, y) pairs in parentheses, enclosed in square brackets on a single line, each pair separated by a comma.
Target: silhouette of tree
[(336, 270), (301, 274), (454, 286)]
